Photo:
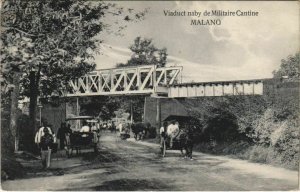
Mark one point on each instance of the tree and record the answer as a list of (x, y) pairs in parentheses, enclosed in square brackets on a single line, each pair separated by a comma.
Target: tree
[(50, 42), (102, 106), (289, 67), (145, 53)]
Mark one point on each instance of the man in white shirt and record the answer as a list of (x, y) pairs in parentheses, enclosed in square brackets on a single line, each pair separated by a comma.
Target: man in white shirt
[(172, 131), (41, 133), (85, 128)]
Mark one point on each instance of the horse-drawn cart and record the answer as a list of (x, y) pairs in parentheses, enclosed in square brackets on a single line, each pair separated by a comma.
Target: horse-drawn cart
[(183, 138), (82, 140)]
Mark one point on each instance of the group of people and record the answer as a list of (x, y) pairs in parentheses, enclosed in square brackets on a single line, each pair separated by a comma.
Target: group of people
[(108, 126)]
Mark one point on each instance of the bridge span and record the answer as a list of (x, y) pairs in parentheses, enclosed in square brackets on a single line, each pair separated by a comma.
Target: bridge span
[(124, 81)]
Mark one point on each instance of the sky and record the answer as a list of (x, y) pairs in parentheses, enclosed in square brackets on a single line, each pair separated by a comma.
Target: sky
[(240, 48)]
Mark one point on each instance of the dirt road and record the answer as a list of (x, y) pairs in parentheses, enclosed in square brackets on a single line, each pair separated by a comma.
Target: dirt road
[(131, 165)]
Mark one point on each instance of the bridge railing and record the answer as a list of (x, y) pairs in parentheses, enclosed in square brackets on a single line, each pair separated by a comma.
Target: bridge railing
[(132, 80)]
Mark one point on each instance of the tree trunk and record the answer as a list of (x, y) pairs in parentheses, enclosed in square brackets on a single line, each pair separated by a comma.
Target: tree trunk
[(14, 109), (33, 99)]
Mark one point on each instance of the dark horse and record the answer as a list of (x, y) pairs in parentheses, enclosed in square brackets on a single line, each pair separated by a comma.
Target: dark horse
[(186, 141), (140, 130), (182, 141)]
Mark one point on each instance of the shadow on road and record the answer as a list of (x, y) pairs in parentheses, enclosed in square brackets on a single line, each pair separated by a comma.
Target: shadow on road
[(132, 185)]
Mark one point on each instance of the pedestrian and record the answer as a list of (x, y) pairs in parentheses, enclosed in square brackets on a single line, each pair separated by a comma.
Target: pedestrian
[(120, 126), (68, 134), (61, 134), (46, 143), (95, 132), (114, 127), (69, 130), (40, 133), (189, 142), (162, 132)]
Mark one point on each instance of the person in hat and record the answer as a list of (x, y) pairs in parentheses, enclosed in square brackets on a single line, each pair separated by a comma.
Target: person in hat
[(45, 145), (40, 133)]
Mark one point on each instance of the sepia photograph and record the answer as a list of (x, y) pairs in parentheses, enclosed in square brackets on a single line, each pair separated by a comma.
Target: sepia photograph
[(149, 95)]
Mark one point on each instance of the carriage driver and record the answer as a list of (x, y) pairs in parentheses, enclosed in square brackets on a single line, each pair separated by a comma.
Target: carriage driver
[(172, 131)]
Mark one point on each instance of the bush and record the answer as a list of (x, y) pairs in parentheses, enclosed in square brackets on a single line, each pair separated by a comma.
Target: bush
[(26, 133), (10, 168)]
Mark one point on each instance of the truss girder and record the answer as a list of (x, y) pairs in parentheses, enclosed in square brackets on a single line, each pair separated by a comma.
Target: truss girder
[(132, 80)]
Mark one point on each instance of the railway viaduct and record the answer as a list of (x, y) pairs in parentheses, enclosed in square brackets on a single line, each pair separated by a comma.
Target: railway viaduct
[(165, 84)]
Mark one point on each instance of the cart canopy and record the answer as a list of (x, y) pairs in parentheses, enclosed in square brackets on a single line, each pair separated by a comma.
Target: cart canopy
[(180, 118), (80, 118)]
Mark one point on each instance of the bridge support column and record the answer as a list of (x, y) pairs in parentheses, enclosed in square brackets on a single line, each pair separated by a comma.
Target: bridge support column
[(158, 115)]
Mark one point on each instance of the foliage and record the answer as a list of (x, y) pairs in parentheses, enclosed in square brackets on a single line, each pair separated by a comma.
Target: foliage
[(55, 38), (106, 107), (289, 67), (227, 118), (269, 126), (46, 43), (102, 107), (145, 53)]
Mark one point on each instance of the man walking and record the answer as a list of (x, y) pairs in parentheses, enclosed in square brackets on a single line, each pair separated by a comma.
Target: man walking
[(61, 134), (162, 132), (45, 145)]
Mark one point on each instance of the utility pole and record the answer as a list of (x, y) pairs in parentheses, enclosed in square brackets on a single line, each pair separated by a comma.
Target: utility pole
[(158, 112), (131, 113), (77, 113)]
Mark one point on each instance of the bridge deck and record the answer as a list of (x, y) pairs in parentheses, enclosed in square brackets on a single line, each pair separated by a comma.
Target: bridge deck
[(217, 88)]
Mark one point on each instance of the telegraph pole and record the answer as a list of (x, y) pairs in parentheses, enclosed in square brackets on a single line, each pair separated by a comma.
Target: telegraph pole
[(131, 113), (158, 113)]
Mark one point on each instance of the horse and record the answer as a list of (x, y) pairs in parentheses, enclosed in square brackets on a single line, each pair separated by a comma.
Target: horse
[(186, 142), (140, 130), (182, 141)]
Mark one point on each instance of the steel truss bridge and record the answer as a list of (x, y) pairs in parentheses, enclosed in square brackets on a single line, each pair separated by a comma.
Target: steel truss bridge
[(124, 81)]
